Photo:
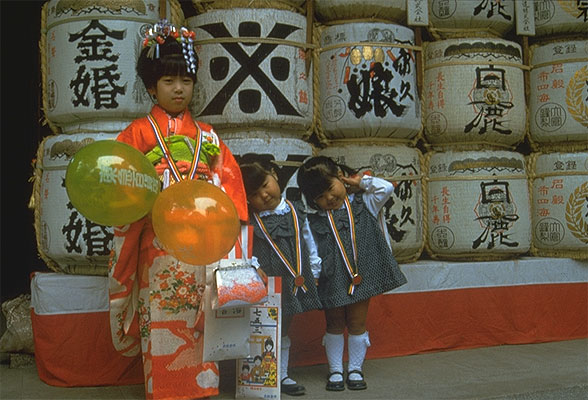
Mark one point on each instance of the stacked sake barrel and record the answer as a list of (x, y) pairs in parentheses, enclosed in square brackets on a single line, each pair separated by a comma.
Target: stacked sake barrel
[(470, 18), (88, 53), (558, 130), (253, 84), (475, 115), (559, 204), (368, 112), (558, 105)]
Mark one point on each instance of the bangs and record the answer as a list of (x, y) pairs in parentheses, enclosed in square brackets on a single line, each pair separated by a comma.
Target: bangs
[(320, 182), (253, 177), (174, 65)]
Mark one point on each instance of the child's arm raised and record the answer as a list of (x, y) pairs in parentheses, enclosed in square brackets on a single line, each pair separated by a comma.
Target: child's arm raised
[(376, 192)]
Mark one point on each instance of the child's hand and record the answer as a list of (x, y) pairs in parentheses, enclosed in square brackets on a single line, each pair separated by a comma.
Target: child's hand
[(352, 183)]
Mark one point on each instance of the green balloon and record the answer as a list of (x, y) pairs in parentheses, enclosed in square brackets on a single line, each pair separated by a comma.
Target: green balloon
[(111, 183)]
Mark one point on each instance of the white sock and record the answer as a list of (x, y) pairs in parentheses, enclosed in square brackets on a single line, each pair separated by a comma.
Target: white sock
[(284, 356), (334, 345), (357, 347)]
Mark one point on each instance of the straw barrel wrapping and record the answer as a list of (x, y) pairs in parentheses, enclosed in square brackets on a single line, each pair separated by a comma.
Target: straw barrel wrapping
[(401, 164), (89, 55), (560, 17), (559, 204), (367, 82), (66, 240), (477, 205), (334, 10), (474, 93), (558, 100), (202, 6), (467, 18), (253, 69)]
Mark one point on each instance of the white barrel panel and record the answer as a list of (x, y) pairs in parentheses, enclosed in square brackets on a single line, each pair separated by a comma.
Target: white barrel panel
[(556, 17), (67, 241), (477, 205), (559, 208), (367, 82), (474, 92), (558, 95), (91, 50), (252, 69), (465, 18)]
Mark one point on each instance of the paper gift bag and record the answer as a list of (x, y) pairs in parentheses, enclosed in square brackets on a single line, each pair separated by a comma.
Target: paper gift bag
[(226, 331), (258, 376)]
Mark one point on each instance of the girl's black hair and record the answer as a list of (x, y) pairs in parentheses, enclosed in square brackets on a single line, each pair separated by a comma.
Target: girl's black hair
[(255, 168), (316, 174), (170, 62), (270, 342)]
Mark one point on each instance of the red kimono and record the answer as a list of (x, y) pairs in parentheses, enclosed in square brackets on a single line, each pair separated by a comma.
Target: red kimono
[(155, 298)]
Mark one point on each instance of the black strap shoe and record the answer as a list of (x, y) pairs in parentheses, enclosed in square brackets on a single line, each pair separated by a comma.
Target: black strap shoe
[(292, 389), (335, 386), (356, 384)]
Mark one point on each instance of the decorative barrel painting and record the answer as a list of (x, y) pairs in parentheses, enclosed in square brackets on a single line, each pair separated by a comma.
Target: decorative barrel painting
[(252, 69), (477, 205), (559, 204), (558, 96), (89, 78), (466, 18), (367, 82), (66, 240), (401, 164), (474, 93), (556, 17), (337, 10)]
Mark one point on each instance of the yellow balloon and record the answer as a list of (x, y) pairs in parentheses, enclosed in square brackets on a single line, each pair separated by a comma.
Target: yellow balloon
[(195, 221), (111, 183)]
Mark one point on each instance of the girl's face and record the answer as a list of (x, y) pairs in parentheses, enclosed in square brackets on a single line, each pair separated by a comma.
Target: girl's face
[(173, 93), (267, 197), (333, 197)]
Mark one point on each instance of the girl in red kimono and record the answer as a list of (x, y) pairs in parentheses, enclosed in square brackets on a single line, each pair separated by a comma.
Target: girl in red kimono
[(155, 298)]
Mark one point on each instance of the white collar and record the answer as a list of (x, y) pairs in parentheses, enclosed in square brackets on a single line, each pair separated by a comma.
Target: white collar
[(281, 209)]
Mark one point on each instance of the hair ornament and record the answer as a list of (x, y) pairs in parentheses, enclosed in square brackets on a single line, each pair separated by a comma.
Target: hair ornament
[(158, 34)]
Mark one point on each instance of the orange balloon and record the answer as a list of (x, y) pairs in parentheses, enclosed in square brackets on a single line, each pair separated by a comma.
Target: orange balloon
[(195, 221)]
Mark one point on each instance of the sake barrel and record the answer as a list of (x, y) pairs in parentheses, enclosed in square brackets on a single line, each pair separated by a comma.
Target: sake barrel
[(287, 149), (66, 240), (335, 10), (253, 69), (558, 95), (474, 93), (402, 165), (467, 18), (89, 52), (559, 204), (560, 17), (367, 82), (477, 205)]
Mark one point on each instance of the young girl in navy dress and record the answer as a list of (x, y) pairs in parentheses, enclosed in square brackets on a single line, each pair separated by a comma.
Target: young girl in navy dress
[(283, 246), (357, 261)]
